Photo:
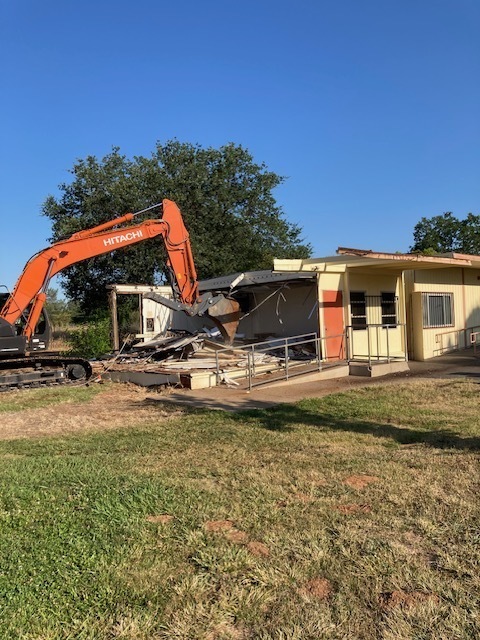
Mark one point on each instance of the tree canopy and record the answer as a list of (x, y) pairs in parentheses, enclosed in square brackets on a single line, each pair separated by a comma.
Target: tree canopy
[(445, 233), (226, 199)]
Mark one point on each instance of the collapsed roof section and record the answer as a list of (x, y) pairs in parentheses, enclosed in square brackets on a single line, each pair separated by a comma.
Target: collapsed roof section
[(253, 279)]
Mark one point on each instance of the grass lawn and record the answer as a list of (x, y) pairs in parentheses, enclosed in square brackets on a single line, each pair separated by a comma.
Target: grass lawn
[(354, 516)]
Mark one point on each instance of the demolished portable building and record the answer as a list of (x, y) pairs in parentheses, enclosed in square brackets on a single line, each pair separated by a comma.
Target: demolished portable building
[(361, 307)]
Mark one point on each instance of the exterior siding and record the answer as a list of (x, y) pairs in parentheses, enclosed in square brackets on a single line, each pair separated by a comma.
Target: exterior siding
[(464, 285)]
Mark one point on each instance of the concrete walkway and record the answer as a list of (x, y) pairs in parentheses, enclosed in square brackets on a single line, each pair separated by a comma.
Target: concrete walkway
[(451, 366)]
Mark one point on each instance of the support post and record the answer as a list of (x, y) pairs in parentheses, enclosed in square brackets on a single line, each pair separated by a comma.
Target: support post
[(112, 299)]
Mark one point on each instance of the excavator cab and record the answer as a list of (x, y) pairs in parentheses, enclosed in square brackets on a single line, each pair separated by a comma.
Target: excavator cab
[(40, 340), (12, 339)]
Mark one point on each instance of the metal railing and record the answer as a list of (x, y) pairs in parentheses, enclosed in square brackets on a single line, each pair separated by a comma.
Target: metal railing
[(456, 339), (474, 339), (292, 356), (377, 338)]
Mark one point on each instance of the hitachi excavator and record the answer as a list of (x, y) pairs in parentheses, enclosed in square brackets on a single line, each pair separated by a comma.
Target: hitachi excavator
[(24, 330)]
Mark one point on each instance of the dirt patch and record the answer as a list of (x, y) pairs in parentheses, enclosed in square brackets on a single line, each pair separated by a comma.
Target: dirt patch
[(360, 481), (319, 588), (258, 549), (353, 508), (227, 528), (219, 525), (120, 405), (406, 599), (164, 518)]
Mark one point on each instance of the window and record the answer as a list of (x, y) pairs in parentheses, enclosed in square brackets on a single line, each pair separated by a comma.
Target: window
[(437, 310), (358, 309), (388, 303)]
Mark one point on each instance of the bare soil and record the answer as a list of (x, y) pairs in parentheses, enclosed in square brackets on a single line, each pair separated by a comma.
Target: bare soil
[(219, 525), (319, 588), (258, 548), (120, 405)]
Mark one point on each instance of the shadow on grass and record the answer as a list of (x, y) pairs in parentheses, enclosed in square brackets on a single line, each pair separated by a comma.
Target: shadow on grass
[(285, 417)]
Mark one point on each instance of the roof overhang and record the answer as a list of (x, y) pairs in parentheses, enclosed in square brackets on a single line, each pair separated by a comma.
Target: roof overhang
[(374, 261)]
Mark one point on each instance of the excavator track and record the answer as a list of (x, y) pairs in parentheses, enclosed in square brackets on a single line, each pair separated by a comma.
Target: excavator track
[(42, 371)]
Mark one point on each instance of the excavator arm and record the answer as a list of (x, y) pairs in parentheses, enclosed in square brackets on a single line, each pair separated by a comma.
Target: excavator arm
[(29, 295)]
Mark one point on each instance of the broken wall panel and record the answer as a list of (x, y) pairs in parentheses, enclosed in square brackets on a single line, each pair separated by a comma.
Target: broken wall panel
[(281, 312), (272, 305)]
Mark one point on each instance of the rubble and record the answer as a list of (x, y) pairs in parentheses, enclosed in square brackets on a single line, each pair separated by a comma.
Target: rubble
[(195, 361)]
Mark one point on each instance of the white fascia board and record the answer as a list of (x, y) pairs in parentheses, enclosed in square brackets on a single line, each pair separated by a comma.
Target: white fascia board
[(139, 288), (320, 266), (281, 265)]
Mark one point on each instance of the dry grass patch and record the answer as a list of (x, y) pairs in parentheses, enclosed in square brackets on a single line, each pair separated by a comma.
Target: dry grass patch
[(353, 508), (360, 482), (406, 599), (163, 518), (52, 412)]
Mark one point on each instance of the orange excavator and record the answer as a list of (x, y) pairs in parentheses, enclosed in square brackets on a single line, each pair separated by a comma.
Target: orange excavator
[(24, 331)]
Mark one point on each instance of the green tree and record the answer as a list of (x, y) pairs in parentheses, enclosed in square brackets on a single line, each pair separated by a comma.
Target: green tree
[(226, 198), (445, 233), (60, 311)]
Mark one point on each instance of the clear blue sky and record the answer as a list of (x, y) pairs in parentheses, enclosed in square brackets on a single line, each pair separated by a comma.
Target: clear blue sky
[(371, 108)]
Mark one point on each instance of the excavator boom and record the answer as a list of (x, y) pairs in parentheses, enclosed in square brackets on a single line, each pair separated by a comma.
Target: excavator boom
[(29, 294), (32, 285)]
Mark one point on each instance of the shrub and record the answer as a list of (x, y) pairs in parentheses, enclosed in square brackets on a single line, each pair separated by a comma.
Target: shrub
[(91, 340)]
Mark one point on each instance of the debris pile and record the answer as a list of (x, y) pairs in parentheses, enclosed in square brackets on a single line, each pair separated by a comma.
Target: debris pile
[(195, 361)]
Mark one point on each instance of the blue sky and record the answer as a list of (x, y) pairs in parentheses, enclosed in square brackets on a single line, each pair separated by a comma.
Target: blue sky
[(371, 109)]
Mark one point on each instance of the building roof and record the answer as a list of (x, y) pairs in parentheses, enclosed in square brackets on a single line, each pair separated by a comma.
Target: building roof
[(347, 258), (253, 278)]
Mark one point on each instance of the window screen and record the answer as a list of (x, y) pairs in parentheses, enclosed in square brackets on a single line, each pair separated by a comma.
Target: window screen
[(437, 309), (388, 302), (358, 309)]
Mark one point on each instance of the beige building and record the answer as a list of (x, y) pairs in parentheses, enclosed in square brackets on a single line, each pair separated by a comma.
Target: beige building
[(394, 306), (444, 307)]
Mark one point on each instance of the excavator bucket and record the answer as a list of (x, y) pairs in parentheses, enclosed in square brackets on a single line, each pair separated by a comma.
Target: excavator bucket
[(226, 315), (225, 312)]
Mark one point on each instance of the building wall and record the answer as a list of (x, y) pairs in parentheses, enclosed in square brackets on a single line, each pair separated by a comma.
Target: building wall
[(157, 319), (464, 285)]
